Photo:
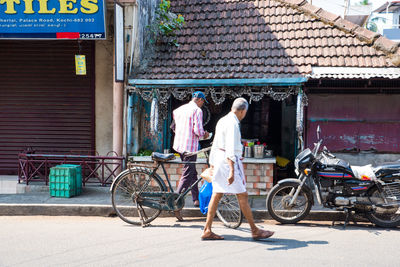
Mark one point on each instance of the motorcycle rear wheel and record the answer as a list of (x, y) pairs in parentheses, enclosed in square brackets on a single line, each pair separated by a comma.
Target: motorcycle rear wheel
[(388, 220), (279, 198)]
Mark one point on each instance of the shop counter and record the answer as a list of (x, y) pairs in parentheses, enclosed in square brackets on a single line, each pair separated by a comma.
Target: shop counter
[(259, 172)]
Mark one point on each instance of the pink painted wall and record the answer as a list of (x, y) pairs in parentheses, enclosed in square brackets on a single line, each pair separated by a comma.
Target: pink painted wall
[(355, 121)]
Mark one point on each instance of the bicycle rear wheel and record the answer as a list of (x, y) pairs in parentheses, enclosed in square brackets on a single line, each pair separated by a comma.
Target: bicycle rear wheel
[(126, 195), (229, 211)]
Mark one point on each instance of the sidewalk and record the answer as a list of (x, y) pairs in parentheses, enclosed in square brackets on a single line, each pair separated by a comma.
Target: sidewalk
[(95, 200)]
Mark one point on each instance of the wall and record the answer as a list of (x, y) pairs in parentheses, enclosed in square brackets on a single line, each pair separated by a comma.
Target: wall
[(136, 29), (360, 128), (104, 95), (259, 177), (361, 122), (361, 159), (145, 13), (142, 139)]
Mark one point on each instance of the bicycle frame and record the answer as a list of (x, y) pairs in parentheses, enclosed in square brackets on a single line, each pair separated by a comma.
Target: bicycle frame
[(183, 194), (163, 199)]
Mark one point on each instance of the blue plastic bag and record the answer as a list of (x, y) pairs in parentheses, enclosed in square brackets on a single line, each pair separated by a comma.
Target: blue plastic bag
[(205, 196)]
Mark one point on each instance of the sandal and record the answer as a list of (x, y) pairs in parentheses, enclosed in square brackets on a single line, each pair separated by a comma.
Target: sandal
[(262, 234), (212, 236)]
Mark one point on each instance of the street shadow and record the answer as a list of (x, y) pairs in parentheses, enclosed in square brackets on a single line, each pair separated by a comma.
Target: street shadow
[(178, 224), (278, 243), (339, 225)]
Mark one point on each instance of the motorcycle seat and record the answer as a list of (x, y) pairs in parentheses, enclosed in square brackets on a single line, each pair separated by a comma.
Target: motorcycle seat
[(162, 157), (388, 167), (365, 172)]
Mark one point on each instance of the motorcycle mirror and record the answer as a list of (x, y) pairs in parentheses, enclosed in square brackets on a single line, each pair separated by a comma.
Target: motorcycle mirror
[(318, 131)]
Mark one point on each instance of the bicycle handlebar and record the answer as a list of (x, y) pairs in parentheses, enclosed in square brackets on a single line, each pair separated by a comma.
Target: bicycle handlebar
[(198, 152)]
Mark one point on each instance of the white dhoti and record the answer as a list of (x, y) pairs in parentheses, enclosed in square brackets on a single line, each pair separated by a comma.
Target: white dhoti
[(221, 174)]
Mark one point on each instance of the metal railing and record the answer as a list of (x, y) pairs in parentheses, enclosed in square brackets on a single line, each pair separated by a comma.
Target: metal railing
[(33, 166)]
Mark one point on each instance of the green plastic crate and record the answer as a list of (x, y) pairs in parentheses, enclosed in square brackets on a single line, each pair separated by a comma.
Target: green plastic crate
[(62, 181), (78, 169)]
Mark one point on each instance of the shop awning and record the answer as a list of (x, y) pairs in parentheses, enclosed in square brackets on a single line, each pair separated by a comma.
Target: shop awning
[(140, 83), (354, 73)]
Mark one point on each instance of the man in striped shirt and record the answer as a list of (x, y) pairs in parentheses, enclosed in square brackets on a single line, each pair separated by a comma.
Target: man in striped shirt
[(188, 121)]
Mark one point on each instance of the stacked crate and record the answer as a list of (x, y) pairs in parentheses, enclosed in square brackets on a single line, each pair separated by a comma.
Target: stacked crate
[(65, 180), (78, 180)]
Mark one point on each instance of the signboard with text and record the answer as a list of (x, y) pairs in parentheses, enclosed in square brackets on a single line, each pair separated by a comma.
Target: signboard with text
[(52, 19), (80, 64)]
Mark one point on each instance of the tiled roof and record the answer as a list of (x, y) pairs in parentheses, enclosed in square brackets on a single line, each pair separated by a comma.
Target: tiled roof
[(264, 39)]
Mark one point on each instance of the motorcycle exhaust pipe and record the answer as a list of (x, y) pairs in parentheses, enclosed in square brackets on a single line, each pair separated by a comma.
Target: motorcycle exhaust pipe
[(365, 203), (378, 204)]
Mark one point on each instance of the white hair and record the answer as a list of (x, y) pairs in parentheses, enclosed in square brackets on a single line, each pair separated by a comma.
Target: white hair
[(240, 104)]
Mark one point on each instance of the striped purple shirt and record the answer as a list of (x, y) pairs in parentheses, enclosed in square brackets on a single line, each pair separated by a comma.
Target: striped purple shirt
[(188, 127)]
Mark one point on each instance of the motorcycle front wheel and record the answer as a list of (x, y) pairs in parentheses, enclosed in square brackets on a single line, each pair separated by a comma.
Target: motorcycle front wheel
[(387, 217), (278, 203)]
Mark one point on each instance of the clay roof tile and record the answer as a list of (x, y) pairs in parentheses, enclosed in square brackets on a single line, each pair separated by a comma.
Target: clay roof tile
[(261, 38), (310, 9), (346, 25), (384, 44), (296, 2), (366, 35), (395, 59), (327, 16)]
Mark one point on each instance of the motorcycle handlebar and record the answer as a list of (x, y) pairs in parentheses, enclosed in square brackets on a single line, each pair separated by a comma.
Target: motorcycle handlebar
[(316, 148)]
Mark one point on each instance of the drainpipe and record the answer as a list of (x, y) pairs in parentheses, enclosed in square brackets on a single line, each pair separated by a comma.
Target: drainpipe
[(136, 122), (387, 12), (346, 7), (129, 125), (118, 107)]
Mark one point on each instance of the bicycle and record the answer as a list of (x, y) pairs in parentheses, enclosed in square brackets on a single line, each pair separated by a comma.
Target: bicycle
[(139, 194)]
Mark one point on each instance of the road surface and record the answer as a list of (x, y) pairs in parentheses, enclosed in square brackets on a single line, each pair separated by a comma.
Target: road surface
[(100, 241)]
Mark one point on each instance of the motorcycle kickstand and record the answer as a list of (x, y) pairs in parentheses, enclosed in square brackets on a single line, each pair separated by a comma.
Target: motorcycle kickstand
[(349, 215)]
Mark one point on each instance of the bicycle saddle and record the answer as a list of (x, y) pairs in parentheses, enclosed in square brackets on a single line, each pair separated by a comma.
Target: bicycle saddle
[(162, 157)]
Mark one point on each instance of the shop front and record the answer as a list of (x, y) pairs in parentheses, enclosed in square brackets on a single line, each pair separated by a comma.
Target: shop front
[(44, 105), (269, 127), (254, 49), (51, 79)]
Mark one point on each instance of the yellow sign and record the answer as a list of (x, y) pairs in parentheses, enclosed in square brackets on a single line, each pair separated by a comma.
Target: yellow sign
[(80, 64)]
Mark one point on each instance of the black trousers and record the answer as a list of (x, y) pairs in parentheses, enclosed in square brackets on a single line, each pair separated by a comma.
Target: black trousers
[(189, 176)]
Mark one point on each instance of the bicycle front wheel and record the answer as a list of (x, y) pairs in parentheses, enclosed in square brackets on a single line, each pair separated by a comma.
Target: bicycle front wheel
[(126, 195), (229, 211)]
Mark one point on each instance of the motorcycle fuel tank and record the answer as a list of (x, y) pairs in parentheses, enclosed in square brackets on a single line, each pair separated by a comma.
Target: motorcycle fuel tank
[(349, 183)]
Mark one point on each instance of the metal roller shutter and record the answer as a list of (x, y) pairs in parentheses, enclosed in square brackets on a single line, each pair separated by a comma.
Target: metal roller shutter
[(43, 104), (355, 122)]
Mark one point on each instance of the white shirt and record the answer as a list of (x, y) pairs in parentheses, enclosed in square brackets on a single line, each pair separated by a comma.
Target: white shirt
[(227, 138), (227, 145)]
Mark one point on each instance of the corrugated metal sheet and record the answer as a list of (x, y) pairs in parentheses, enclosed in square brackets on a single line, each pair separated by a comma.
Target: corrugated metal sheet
[(355, 121), (43, 104)]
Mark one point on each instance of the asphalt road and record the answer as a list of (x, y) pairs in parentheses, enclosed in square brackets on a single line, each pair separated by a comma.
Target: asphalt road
[(99, 241)]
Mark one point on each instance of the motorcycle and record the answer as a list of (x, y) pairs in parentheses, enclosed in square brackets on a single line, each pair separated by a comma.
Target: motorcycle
[(372, 192)]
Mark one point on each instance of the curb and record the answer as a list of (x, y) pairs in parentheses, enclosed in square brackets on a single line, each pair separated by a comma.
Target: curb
[(107, 211), (56, 210)]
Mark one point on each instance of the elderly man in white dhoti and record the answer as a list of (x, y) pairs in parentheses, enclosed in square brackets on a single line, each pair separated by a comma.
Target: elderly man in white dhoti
[(228, 175)]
